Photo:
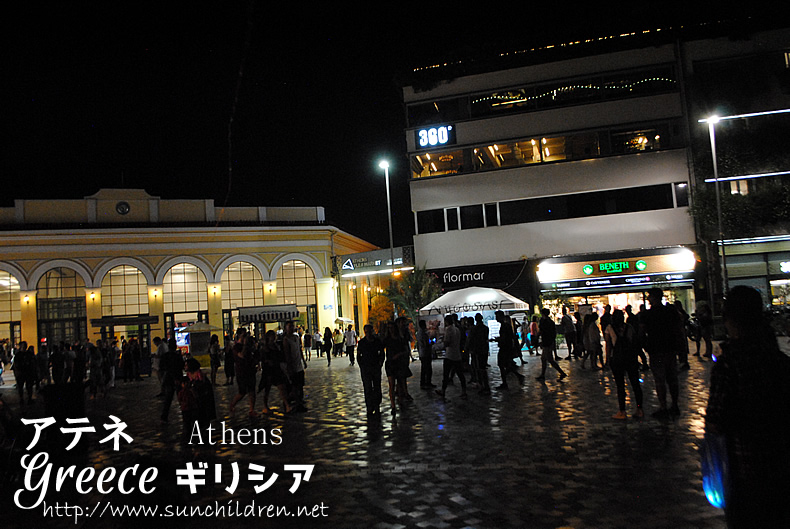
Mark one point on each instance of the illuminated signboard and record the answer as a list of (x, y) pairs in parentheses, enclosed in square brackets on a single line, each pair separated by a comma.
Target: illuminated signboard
[(614, 267), (678, 261), (438, 136)]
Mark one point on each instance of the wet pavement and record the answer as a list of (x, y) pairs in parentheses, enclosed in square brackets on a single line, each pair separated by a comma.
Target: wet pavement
[(544, 455)]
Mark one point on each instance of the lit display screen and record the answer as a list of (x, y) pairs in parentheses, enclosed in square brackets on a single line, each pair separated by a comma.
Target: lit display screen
[(435, 136)]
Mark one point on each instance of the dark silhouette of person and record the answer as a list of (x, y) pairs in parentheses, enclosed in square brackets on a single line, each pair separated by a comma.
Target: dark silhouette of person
[(749, 405)]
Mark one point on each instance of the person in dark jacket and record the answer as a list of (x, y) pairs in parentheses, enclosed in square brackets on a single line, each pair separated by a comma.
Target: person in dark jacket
[(172, 366), (370, 357), (196, 397), (548, 337), (749, 405)]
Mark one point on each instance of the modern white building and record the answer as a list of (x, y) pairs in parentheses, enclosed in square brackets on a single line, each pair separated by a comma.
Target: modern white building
[(570, 175)]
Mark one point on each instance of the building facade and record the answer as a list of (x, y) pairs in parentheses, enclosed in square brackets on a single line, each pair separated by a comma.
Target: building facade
[(567, 177), (129, 264)]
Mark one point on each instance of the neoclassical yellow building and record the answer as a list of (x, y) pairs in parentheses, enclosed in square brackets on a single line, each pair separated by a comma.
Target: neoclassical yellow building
[(136, 265)]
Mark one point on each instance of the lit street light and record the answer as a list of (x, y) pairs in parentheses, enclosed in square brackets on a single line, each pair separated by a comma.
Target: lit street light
[(386, 166)]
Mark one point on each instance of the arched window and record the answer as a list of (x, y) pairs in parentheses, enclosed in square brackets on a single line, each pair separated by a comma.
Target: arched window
[(296, 284), (10, 310), (242, 286), (124, 292), (184, 289), (61, 308)]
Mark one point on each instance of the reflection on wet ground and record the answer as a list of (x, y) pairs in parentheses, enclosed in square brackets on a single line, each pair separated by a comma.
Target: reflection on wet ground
[(541, 455)]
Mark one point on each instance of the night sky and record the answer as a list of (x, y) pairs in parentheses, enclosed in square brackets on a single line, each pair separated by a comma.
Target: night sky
[(136, 95)]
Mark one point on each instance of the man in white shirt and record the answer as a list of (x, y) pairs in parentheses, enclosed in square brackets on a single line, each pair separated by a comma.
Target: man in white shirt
[(351, 342)]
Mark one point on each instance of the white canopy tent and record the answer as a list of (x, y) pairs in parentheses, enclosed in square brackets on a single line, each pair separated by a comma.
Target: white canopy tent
[(268, 314), (474, 299)]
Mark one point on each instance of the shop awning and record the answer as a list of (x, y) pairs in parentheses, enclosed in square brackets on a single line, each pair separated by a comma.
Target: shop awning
[(474, 299), (268, 314)]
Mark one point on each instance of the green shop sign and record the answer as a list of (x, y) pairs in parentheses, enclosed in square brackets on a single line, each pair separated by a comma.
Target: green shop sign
[(614, 267)]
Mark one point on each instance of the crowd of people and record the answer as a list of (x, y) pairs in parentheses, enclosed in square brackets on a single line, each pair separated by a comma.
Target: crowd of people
[(749, 402), (96, 365)]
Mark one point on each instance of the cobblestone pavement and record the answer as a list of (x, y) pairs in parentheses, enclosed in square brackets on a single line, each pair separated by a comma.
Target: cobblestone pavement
[(544, 455)]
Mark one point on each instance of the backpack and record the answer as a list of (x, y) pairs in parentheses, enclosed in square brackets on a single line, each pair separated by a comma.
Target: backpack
[(626, 347)]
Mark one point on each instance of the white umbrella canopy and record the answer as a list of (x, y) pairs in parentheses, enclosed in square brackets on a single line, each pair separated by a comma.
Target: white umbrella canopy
[(474, 299)]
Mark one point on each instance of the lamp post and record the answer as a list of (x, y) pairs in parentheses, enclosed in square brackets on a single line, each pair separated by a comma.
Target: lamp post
[(711, 121), (712, 132), (384, 164)]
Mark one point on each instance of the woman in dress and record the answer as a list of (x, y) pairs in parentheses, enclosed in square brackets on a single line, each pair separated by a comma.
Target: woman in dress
[(397, 364)]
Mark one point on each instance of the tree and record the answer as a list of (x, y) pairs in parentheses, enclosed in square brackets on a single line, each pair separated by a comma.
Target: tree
[(413, 291), (380, 312)]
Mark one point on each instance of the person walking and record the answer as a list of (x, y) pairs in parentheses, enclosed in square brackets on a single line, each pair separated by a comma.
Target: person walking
[(246, 365), (172, 372), (327, 345), (592, 341), (295, 366), (705, 318), (230, 363), (683, 353), (396, 365), (478, 343), (505, 354), (371, 356), (569, 331), (662, 332), (215, 357), (452, 358), (426, 356), (350, 339), (621, 349), (548, 337), (156, 360), (273, 371), (198, 408)]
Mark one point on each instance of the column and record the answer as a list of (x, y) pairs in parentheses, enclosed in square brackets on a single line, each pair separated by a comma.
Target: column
[(325, 300), (93, 312), (156, 307), (215, 305), (29, 321)]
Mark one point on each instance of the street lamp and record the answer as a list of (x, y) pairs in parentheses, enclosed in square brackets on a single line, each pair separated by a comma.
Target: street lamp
[(712, 132), (384, 164), (711, 121)]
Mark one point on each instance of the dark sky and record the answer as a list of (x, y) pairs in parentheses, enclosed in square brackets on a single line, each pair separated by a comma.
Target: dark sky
[(133, 94)]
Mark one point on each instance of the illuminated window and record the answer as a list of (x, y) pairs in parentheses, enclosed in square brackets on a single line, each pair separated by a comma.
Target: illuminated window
[(439, 163), (631, 141), (124, 292), (184, 289), (548, 148), (296, 284), (9, 299), (739, 187), (242, 286), (61, 307)]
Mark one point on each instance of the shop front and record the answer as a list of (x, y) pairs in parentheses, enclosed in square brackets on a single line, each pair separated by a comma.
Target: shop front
[(619, 279), (512, 277)]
